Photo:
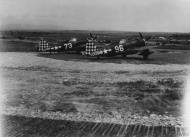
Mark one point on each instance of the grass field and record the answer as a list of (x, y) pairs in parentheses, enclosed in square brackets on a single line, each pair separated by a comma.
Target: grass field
[(118, 94), (70, 86), (109, 94)]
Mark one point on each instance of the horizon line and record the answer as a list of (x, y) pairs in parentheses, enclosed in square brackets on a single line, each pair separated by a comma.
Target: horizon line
[(91, 30)]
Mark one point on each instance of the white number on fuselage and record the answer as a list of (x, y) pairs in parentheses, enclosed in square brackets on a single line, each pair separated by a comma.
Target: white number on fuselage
[(119, 48), (68, 46)]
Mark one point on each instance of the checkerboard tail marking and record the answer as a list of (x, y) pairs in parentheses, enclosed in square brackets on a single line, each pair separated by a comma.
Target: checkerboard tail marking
[(90, 47), (43, 45)]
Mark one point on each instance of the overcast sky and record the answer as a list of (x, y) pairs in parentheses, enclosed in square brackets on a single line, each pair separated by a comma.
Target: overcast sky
[(126, 15)]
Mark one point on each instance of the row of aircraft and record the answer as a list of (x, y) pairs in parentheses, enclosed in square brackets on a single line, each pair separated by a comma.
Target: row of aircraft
[(92, 48)]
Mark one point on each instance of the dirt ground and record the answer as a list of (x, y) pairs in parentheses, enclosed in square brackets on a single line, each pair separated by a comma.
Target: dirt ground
[(77, 85), (112, 91), (38, 127)]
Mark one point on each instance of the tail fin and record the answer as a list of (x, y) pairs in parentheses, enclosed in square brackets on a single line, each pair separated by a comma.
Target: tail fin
[(42, 45), (90, 47)]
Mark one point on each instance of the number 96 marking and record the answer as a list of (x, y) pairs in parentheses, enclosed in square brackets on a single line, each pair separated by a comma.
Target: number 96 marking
[(119, 48)]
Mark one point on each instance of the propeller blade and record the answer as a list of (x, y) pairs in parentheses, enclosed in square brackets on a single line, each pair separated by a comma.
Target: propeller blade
[(96, 36), (91, 35), (141, 35)]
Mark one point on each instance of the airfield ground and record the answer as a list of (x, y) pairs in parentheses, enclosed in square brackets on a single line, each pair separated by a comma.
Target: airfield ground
[(89, 97), (91, 91)]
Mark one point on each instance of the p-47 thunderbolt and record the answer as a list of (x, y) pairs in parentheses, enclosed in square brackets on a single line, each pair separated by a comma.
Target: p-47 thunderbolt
[(124, 48), (71, 46)]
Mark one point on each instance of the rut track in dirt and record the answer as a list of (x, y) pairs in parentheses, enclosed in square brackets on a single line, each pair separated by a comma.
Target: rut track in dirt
[(38, 127)]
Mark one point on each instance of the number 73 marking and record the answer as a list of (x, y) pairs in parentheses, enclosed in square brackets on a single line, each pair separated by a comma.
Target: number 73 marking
[(69, 46)]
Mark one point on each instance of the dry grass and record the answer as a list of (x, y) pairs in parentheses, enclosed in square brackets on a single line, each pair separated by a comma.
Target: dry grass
[(44, 95), (48, 85)]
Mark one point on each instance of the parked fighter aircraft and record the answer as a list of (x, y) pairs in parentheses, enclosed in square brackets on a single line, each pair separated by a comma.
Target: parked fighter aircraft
[(163, 40), (123, 48), (70, 46), (170, 40), (177, 41)]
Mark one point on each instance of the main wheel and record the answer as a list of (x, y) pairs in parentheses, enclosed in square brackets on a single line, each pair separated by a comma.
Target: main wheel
[(145, 57), (124, 55)]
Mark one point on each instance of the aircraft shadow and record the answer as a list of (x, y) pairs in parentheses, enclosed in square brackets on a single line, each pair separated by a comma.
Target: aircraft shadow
[(116, 59)]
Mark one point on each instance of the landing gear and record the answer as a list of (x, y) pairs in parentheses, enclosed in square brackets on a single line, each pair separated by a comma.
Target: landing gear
[(145, 57), (145, 53), (124, 55)]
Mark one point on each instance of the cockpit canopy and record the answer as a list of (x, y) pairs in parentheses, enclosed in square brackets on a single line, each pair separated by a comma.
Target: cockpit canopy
[(73, 40), (122, 41)]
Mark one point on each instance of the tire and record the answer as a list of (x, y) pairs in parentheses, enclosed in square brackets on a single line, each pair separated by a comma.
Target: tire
[(124, 56), (145, 57)]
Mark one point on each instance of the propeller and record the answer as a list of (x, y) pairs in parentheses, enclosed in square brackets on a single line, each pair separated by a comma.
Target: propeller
[(141, 35), (145, 39), (93, 36)]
